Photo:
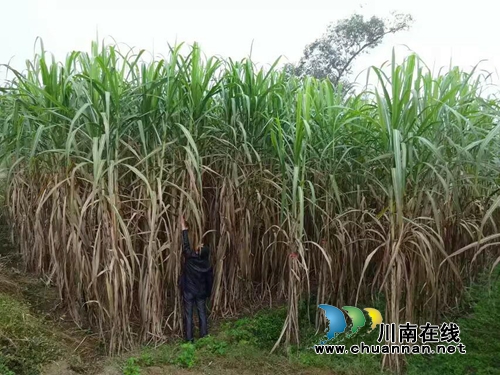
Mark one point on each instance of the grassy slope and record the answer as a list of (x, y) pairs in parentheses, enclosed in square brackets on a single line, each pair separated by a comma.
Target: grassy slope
[(25, 342), (33, 331), (32, 343), (479, 332)]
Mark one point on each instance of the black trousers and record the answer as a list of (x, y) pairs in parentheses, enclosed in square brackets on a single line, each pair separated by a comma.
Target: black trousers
[(201, 305)]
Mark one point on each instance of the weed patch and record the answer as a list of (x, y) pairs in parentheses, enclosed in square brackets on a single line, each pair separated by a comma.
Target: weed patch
[(25, 341), (479, 332)]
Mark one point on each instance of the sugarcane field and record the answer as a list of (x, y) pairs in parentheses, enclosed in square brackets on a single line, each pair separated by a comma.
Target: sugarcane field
[(178, 209)]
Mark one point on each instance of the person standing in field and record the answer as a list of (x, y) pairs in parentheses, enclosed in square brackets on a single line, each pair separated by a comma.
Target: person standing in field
[(196, 283)]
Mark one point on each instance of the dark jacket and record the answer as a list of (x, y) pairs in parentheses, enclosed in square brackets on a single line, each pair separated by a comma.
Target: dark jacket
[(197, 274)]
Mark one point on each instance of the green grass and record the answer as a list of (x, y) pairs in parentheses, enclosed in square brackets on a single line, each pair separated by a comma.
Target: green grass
[(131, 367), (247, 343), (26, 342), (479, 332)]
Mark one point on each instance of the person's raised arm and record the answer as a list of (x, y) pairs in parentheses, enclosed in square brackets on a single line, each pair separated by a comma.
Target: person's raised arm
[(187, 251)]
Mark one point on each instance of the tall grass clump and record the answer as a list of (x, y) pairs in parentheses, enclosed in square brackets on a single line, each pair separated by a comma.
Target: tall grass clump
[(299, 189)]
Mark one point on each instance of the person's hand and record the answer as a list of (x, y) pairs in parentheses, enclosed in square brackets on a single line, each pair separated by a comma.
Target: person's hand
[(183, 223)]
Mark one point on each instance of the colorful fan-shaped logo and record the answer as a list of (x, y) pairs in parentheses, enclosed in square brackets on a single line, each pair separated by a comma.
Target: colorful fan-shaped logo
[(337, 322)]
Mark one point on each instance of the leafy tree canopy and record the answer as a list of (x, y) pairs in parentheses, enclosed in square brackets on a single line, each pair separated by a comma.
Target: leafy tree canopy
[(332, 54)]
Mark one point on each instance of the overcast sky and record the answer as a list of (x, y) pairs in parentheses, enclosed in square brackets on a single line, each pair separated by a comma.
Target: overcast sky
[(464, 32)]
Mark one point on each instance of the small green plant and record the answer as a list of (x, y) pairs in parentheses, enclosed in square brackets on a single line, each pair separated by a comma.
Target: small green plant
[(212, 344), (237, 334), (132, 367), (262, 330), (165, 354), (186, 358), (146, 359), (267, 326), (310, 359), (4, 370)]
